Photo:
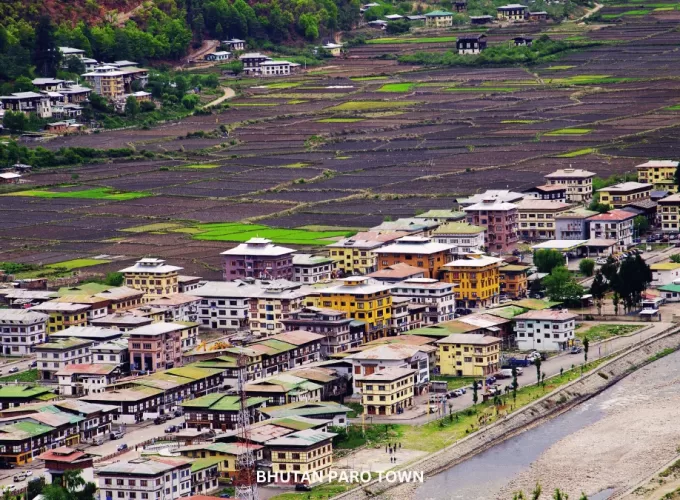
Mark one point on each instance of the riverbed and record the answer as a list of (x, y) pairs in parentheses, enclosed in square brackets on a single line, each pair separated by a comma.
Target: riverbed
[(601, 447)]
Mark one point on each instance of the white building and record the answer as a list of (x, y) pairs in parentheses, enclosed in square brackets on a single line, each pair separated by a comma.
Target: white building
[(154, 478), (309, 268), (224, 304), (440, 297), (114, 352), (234, 44), (665, 273), (390, 356), (545, 330), (20, 330), (579, 183), (53, 356), (616, 225), (96, 334), (221, 55), (467, 238), (276, 68), (177, 307), (81, 380)]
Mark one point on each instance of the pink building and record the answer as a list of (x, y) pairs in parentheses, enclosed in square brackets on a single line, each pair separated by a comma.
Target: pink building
[(258, 258), (499, 218), (154, 347)]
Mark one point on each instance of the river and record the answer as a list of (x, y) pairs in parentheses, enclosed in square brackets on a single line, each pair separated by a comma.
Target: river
[(603, 446)]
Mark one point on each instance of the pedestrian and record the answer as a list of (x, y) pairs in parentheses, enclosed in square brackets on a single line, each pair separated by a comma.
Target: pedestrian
[(385, 448), (400, 445)]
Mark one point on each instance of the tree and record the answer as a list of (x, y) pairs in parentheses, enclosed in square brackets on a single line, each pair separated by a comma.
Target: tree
[(131, 106), (610, 268), (14, 122), (515, 385), (71, 487), (586, 344), (675, 258), (615, 302), (35, 487), (586, 266), (546, 260), (114, 279), (676, 176), (190, 101), (46, 55), (560, 495), (641, 224), (598, 289), (475, 396), (147, 106), (536, 494), (561, 286), (538, 363)]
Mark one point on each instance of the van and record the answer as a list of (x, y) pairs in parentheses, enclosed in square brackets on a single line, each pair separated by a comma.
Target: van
[(98, 440)]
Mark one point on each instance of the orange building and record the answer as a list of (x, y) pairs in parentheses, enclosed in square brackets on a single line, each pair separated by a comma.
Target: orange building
[(416, 251), (514, 281)]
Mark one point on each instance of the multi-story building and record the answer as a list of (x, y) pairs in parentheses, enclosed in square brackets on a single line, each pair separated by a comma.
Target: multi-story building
[(152, 276), (477, 280), (382, 357), (156, 347), (579, 183), (306, 346), (388, 391), (122, 298), (659, 173), (225, 304), (21, 441), (537, 218), (98, 307), (79, 380), (335, 413), (545, 330), (554, 192), (334, 325), (63, 315), (441, 216), (115, 81), (204, 474), (12, 396), (412, 226), (669, 213), (276, 68), (275, 302), (514, 282), (512, 12), (123, 321), (499, 219), (258, 258), (177, 307), (416, 251), (365, 300), (284, 389), (220, 411), (156, 477), (354, 256), (620, 195), (312, 268), (573, 224), (96, 334), (53, 356), (468, 355), (616, 225), (302, 455), (228, 453), (470, 44), (397, 273), (467, 238), (439, 19), (503, 195), (114, 352), (252, 61), (21, 330), (439, 297)]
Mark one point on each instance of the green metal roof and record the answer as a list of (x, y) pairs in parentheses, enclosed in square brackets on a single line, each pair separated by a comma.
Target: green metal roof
[(220, 402), (670, 288), (83, 289), (22, 391), (514, 268), (305, 409), (439, 13), (535, 304), (64, 343), (23, 430), (198, 464), (507, 312), (458, 228)]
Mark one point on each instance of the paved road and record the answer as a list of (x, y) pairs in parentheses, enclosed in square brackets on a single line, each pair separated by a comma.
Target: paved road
[(7, 363), (228, 93), (550, 367)]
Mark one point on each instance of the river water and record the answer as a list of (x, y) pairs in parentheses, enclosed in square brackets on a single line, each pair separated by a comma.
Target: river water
[(562, 452)]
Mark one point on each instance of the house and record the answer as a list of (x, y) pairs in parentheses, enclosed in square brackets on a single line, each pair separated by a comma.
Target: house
[(614, 225), (21, 441), (114, 352), (298, 347), (669, 213), (386, 356), (155, 476), (113, 82), (283, 389), (513, 278), (620, 195), (418, 251), (156, 347), (67, 52), (234, 44), (9, 178), (579, 183), (276, 68), (122, 298), (258, 258), (387, 392), (252, 61), (228, 453), (333, 325), (152, 276), (665, 273), (21, 330), (477, 281), (220, 411), (274, 302), (224, 305), (27, 103), (412, 226), (512, 12), (480, 20), (545, 330), (354, 256), (659, 173), (469, 355), (397, 273), (18, 297), (79, 380), (439, 297), (467, 238), (393, 17), (59, 460), (304, 456), (503, 195), (335, 49), (522, 41), (122, 321), (177, 307), (49, 84), (309, 268), (500, 221), (364, 300), (75, 94), (335, 413), (538, 16), (96, 334), (470, 44), (441, 216), (537, 218), (378, 24), (220, 55), (644, 208), (16, 396), (204, 474), (53, 356), (670, 293), (573, 224), (439, 19)]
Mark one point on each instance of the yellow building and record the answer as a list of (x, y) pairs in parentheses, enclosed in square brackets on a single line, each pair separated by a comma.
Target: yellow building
[(620, 195), (309, 451), (439, 19), (228, 454), (365, 299), (514, 281), (478, 280), (388, 391), (63, 315), (275, 303), (537, 218), (669, 213), (152, 276), (468, 355), (659, 173), (354, 255)]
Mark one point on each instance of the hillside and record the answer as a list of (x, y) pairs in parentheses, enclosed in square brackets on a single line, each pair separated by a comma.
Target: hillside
[(71, 11)]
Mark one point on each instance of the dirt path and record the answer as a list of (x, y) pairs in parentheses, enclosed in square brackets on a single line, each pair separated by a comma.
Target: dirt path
[(592, 11), (206, 47), (228, 94), (123, 17)]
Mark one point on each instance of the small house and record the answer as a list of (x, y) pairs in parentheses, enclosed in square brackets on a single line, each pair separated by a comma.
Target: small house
[(538, 16), (522, 41), (378, 24), (413, 19), (275, 68), (9, 178), (470, 44), (335, 49), (439, 19), (460, 5), (393, 17), (512, 12), (252, 61), (28, 102), (481, 20), (221, 55), (234, 44)]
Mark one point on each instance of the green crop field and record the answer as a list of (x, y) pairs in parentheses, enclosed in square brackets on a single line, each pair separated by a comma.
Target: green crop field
[(296, 165), (340, 120), (570, 131), (296, 101), (481, 89), (77, 264), (370, 105), (578, 152), (235, 231), (159, 226), (588, 80), (284, 85), (367, 78), (94, 194), (388, 40), (559, 68), (396, 87)]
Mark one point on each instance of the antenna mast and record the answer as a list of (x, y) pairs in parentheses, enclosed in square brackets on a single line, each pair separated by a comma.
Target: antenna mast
[(245, 482)]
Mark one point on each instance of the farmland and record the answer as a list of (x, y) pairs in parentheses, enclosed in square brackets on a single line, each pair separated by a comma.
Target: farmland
[(363, 140)]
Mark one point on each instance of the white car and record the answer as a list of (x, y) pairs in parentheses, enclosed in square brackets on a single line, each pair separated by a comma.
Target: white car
[(28, 473), (601, 261)]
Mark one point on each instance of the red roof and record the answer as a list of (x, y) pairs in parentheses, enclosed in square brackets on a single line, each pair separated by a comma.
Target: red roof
[(613, 215), (62, 454)]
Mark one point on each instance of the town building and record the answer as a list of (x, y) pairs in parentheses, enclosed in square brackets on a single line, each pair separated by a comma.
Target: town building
[(252, 61), (545, 330), (470, 44), (334, 413), (480, 20), (573, 224), (439, 19), (283, 389), (114, 352), (620, 195), (204, 474), (334, 49), (220, 411), (579, 183), (188, 283), (386, 356), (224, 305), (500, 221), (113, 82), (27, 103), (512, 12), (397, 273), (312, 268), (417, 251), (53, 356), (62, 315), (554, 192), (354, 256), (177, 307), (477, 281), (467, 238), (659, 173), (68, 52), (523, 41), (334, 325), (156, 347), (538, 16), (80, 380), (616, 225), (228, 453), (276, 68), (61, 459), (441, 216), (439, 297), (537, 218), (21, 330), (387, 392), (302, 455), (670, 293), (665, 273), (412, 226), (21, 441), (513, 280), (669, 213), (152, 276), (122, 321), (154, 477), (234, 44), (468, 355), (122, 298), (96, 334), (97, 306), (274, 302), (364, 300), (258, 258), (644, 208), (220, 55), (14, 396)]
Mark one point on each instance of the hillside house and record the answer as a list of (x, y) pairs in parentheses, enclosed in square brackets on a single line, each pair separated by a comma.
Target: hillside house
[(522, 41), (512, 12), (439, 19), (221, 55), (234, 44), (28, 102), (471, 44)]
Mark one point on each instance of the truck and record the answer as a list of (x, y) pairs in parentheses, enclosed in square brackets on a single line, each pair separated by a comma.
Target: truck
[(512, 362)]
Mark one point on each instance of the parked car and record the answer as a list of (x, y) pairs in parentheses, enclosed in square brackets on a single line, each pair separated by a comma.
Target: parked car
[(122, 447), (576, 349), (171, 429), (504, 373), (10, 487), (178, 413), (601, 261), (451, 394), (19, 477), (459, 392), (462, 390), (28, 473), (33, 364), (303, 487), (6, 465), (14, 369), (117, 434)]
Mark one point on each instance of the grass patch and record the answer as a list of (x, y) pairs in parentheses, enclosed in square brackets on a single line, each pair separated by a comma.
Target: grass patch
[(283, 85), (661, 354), (570, 131), (354, 436), (674, 107), (589, 80), (94, 194), (247, 104), (69, 265), (578, 152), (674, 468), (235, 231), (605, 331), (197, 166), (396, 87), (159, 226), (296, 101), (368, 78), (340, 120), (382, 114), (26, 376), (370, 105), (321, 492), (295, 165), (388, 40), (481, 89), (455, 382), (558, 68)]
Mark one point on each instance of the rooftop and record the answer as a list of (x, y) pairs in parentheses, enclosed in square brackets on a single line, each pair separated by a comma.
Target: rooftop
[(120, 293), (258, 246), (624, 187), (89, 369), (576, 213), (458, 228), (387, 352), (491, 204), (297, 337), (492, 194), (143, 467), (305, 409), (151, 265), (157, 329), (659, 164), (21, 316), (87, 332), (221, 402), (305, 259), (548, 315), (441, 214), (52, 306), (408, 224), (470, 339), (480, 262), (399, 270), (436, 13), (386, 375), (414, 245), (574, 173), (307, 437), (612, 215), (542, 205), (64, 344)]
